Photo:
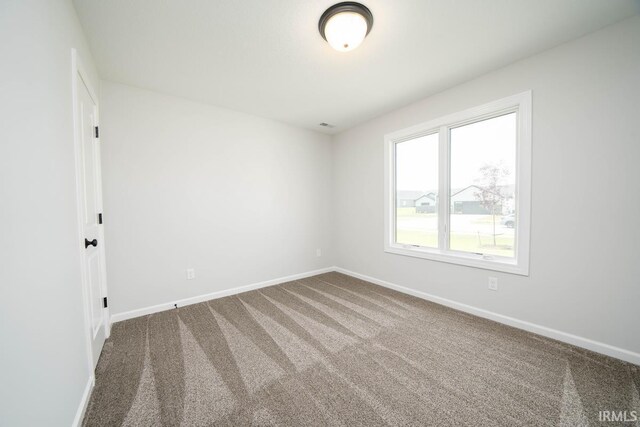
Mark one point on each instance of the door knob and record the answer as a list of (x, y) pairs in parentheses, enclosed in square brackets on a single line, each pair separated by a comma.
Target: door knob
[(88, 243)]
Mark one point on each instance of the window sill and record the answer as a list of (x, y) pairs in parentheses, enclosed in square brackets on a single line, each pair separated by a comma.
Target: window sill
[(468, 260)]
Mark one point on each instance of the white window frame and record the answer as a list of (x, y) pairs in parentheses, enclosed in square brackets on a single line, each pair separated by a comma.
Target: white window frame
[(520, 103)]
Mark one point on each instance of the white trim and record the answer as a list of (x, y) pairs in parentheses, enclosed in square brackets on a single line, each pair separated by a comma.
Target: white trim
[(520, 264), (118, 317), (84, 401), (598, 347)]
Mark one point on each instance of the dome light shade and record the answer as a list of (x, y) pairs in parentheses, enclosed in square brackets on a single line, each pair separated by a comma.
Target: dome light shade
[(345, 25)]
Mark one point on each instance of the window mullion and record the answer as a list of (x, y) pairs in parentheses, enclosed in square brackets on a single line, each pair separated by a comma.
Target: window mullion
[(443, 188)]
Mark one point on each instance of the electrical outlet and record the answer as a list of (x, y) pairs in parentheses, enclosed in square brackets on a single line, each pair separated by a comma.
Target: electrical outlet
[(493, 283), (191, 274), (318, 252)]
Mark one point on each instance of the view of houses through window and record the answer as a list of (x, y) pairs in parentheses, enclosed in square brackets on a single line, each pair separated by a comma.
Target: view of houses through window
[(482, 217), (417, 191), (482, 213)]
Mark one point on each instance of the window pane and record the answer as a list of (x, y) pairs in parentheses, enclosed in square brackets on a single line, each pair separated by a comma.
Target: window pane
[(482, 188), (417, 191)]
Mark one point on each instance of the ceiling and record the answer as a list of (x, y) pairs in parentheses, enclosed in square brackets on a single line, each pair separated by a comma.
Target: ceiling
[(266, 57)]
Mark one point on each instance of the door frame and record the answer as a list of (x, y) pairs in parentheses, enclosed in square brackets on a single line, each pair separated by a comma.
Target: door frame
[(79, 75)]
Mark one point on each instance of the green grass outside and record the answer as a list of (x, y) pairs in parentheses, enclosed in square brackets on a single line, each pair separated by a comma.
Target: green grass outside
[(410, 212), (459, 241)]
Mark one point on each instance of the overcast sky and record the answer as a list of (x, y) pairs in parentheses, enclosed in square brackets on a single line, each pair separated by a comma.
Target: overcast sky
[(473, 145)]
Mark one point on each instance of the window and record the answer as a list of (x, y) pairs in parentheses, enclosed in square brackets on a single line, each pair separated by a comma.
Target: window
[(458, 188)]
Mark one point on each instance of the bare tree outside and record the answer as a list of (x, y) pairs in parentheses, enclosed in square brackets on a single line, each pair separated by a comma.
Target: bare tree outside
[(492, 179)]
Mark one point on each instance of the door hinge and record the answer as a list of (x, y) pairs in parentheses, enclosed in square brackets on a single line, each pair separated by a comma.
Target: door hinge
[(104, 302), (97, 132), (99, 218)]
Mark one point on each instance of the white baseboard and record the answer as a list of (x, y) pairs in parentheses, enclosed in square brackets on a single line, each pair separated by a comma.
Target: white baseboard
[(118, 317), (77, 420), (598, 347)]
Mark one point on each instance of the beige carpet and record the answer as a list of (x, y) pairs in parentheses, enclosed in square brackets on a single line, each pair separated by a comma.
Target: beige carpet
[(334, 350)]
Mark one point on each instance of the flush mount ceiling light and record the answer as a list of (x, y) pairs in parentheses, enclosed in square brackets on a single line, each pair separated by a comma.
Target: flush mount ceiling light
[(345, 25)]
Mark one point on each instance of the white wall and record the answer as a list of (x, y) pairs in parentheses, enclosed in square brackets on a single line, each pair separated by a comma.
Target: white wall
[(585, 273), (43, 360), (238, 198)]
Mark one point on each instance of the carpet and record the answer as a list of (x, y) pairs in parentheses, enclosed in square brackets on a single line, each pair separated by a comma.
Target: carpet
[(335, 350)]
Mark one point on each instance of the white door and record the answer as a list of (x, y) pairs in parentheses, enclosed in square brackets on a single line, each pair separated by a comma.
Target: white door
[(90, 213)]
